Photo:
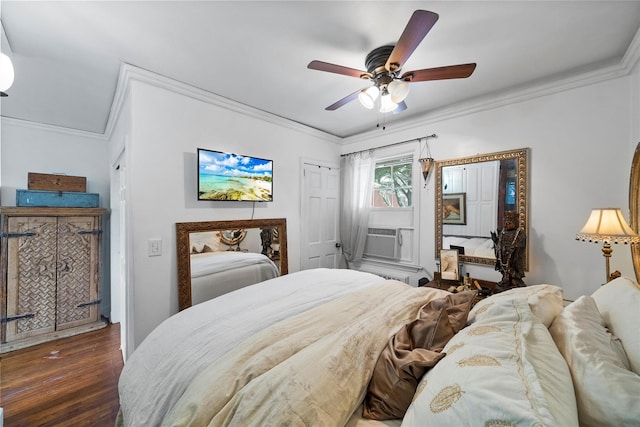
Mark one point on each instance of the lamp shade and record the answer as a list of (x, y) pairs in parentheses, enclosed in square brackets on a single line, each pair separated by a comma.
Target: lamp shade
[(386, 104), (367, 97), (398, 89), (607, 225), (6, 72)]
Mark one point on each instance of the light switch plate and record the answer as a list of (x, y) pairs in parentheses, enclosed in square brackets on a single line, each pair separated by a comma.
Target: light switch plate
[(154, 247)]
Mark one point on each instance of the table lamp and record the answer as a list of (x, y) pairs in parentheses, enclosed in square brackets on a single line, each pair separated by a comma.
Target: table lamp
[(607, 225)]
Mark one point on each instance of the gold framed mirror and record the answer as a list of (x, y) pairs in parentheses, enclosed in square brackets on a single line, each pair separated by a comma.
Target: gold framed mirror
[(268, 237), (488, 185), (634, 208)]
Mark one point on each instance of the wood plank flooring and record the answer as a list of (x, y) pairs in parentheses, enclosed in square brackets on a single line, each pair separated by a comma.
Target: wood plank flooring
[(68, 382)]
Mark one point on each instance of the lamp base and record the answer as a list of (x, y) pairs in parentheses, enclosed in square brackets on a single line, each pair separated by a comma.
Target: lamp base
[(606, 252)]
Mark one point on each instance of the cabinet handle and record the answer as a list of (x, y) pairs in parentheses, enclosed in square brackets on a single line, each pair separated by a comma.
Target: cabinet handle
[(90, 232), (85, 304), (19, 317), (29, 234)]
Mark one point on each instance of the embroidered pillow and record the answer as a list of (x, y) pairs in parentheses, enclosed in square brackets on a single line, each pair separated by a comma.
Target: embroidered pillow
[(545, 302), (502, 370)]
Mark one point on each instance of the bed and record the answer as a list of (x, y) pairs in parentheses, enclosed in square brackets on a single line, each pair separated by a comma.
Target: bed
[(217, 273), (329, 347)]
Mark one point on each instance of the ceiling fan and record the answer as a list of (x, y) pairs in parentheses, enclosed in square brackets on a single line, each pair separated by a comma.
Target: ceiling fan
[(384, 65)]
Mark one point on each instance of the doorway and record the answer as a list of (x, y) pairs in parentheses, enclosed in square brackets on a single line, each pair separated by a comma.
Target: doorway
[(320, 241), (119, 250)]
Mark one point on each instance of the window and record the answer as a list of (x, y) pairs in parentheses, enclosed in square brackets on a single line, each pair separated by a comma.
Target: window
[(392, 183)]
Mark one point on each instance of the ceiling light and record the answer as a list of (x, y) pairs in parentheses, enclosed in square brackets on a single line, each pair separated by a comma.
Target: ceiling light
[(368, 96), (398, 89), (6, 73), (386, 104)]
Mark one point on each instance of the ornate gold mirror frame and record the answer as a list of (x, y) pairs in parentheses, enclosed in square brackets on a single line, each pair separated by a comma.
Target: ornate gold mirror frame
[(522, 195), (634, 208), (184, 229)]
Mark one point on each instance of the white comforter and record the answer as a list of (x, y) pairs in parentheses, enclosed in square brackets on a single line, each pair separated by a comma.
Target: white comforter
[(159, 371)]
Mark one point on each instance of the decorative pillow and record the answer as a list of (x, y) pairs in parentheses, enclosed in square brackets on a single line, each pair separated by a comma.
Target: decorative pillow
[(410, 352), (545, 302), (606, 391), (200, 248), (503, 370), (204, 242), (619, 304)]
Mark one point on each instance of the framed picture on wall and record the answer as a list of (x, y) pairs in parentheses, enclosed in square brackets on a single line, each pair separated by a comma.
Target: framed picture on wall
[(449, 264), (454, 208)]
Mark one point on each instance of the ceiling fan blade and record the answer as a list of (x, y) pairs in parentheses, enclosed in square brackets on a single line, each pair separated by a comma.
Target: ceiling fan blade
[(400, 108), (461, 71), (417, 28), (343, 101), (333, 68)]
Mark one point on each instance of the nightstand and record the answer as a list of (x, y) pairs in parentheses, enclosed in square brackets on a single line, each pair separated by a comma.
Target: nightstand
[(488, 287)]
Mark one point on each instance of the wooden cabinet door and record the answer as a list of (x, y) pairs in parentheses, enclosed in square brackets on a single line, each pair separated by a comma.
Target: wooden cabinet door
[(31, 276), (78, 260)]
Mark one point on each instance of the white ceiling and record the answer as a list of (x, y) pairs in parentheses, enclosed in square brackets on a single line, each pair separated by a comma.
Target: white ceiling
[(67, 54)]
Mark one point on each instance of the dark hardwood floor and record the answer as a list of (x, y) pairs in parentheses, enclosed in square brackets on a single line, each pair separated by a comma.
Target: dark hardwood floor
[(68, 382)]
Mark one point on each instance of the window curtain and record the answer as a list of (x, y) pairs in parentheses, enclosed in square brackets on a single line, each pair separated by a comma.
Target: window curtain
[(357, 176)]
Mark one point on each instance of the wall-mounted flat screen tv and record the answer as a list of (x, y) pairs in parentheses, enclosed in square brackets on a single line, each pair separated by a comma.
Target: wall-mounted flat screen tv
[(227, 176)]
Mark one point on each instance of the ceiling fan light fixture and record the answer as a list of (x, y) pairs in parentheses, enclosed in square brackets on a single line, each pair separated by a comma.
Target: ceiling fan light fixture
[(386, 104), (368, 96), (6, 72), (398, 90)]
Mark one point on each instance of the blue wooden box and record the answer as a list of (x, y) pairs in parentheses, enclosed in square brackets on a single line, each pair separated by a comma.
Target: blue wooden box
[(57, 199)]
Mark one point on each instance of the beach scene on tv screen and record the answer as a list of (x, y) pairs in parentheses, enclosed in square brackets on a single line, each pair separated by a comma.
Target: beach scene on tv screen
[(224, 176)]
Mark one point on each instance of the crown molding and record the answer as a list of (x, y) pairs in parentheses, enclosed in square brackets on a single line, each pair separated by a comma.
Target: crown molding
[(130, 72), (53, 128), (515, 95), (632, 55), (508, 97)]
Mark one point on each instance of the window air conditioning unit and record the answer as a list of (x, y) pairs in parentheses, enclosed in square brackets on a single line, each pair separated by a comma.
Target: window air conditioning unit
[(383, 243)]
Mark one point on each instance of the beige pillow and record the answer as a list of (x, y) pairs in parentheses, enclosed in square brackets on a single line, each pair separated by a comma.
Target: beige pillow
[(619, 304), (606, 391), (207, 241), (200, 248), (502, 370), (545, 302)]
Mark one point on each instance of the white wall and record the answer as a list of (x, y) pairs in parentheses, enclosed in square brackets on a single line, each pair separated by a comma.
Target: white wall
[(166, 129), (579, 142), (31, 148), (28, 147)]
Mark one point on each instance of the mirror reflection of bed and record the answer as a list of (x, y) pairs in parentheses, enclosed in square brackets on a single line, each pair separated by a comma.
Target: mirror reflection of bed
[(222, 261), (254, 246)]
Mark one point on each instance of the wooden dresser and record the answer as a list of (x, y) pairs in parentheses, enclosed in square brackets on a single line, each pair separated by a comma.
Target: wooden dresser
[(50, 281)]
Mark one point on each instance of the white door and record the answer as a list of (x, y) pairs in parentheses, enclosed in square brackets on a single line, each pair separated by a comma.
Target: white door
[(320, 217)]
